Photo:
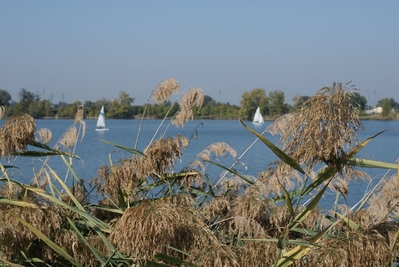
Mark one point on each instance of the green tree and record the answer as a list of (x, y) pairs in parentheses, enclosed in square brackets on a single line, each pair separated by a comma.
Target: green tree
[(298, 101), (253, 99), (125, 105), (276, 103), (386, 107), (394, 104), (5, 98), (29, 103), (358, 100)]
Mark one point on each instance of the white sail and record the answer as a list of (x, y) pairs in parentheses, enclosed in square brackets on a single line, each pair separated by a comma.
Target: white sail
[(258, 118), (101, 121)]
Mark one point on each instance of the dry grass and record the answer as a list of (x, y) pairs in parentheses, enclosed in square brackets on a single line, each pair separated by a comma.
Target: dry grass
[(16, 134), (323, 129), (193, 98), (357, 250), (152, 226), (211, 225), (164, 90), (44, 135), (383, 204)]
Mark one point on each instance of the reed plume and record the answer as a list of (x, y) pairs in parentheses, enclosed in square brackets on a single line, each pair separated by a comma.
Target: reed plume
[(149, 228), (44, 135), (193, 98), (68, 139), (160, 94), (164, 90), (16, 134), (2, 111), (322, 130), (383, 204)]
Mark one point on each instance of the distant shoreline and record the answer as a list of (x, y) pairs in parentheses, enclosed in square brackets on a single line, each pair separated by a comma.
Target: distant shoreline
[(266, 118)]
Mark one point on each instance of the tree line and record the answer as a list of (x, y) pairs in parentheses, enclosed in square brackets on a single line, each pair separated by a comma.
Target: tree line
[(272, 105)]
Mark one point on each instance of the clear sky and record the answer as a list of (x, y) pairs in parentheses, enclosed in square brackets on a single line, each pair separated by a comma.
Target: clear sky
[(93, 49)]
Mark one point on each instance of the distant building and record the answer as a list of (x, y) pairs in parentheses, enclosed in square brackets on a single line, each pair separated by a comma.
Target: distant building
[(375, 110)]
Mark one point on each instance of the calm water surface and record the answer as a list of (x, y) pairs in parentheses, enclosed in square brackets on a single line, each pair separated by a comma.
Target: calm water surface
[(95, 153)]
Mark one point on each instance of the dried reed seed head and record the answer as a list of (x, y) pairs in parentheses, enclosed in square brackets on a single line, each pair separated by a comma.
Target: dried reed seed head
[(144, 230), (162, 154), (218, 149), (180, 118), (254, 253), (340, 185), (280, 125), (181, 200), (69, 137), (79, 191), (214, 254), (69, 241), (323, 128), (251, 204), (79, 114), (217, 206), (123, 177), (16, 134), (278, 218), (233, 185), (274, 180), (193, 97), (44, 135), (164, 90), (389, 231), (358, 250), (2, 111), (383, 204), (246, 227), (47, 221)]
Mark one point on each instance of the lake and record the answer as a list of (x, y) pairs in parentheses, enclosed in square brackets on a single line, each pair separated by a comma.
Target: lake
[(95, 153)]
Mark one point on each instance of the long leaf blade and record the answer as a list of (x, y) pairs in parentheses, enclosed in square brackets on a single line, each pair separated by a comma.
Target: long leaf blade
[(279, 153)]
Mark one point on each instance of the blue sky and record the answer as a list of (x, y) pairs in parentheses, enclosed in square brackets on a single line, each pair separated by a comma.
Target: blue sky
[(93, 49)]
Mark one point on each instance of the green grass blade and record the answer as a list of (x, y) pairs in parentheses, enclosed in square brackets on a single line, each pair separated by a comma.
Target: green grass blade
[(246, 179), (83, 239), (18, 203), (366, 163), (323, 176), (279, 153), (288, 201), (355, 150), (65, 187), (128, 149), (91, 221), (308, 208), (351, 223)]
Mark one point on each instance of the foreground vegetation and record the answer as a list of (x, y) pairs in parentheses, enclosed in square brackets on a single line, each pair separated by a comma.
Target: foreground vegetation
[(151, 214)]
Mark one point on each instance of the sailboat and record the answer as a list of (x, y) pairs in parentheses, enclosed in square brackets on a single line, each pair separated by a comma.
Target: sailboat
[(258, 118), (101, 121)]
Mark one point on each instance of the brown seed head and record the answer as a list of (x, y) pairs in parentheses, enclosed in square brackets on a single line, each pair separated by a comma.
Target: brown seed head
[(16, 134), (44, 135), (323, 128), (164, 90), (69, 138), (193, 98)]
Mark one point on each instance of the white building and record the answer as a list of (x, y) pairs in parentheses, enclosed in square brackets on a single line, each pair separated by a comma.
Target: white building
[(375, 110)]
